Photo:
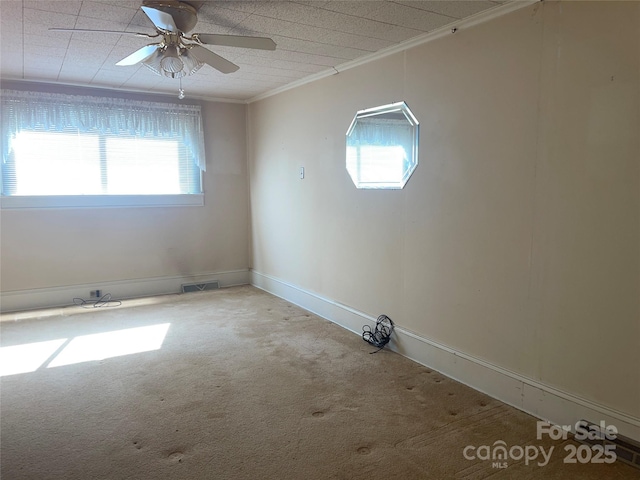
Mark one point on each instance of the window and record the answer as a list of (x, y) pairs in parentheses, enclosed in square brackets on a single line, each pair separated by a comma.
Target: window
[(382, 147), (65, 150)]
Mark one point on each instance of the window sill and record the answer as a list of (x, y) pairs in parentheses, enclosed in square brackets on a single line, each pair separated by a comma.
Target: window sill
[(98, 201)]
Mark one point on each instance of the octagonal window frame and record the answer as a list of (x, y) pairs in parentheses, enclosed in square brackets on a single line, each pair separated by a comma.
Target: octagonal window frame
[(388, 148)]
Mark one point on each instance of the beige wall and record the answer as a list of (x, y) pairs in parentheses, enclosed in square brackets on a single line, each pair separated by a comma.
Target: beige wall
[(517, 240), (62, 247)]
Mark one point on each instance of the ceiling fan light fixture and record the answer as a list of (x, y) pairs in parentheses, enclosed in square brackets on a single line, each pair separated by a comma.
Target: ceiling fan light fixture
[(171, 63), (153, 62), (191, 63)]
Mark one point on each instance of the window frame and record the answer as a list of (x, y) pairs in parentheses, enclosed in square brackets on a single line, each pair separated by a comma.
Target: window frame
[(106, 200), (101, 201), (406, 118)]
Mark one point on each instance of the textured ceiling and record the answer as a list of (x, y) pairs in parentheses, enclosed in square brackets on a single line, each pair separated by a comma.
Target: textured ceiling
[(311, 36)]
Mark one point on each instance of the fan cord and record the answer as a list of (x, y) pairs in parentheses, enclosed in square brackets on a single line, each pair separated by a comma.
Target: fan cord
[(381, 334), (103, 301)]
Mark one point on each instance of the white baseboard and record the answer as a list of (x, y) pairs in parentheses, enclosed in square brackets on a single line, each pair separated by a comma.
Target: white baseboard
[(537, 399), (122, 289)]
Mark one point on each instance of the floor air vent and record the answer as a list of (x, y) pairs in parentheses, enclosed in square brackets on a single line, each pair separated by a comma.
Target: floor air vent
[(626, 449), (200, 287)]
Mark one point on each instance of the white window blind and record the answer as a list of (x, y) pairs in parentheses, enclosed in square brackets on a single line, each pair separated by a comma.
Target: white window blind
[(66, 145)]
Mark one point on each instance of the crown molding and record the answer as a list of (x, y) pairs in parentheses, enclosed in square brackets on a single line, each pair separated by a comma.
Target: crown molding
[(449, 29)]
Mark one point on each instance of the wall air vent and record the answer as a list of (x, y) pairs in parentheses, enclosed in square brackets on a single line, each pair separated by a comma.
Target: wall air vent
[(200, 287)]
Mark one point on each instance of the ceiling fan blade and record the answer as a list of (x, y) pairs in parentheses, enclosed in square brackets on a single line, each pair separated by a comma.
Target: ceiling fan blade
[(160, 19), (260, 43), (87, 30), (216, 61), (138, 56)]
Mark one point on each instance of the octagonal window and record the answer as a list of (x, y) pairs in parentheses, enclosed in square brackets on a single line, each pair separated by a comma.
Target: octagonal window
[(382, 146)]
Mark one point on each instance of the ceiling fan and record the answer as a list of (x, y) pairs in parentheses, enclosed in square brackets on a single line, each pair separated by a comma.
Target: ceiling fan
[(178, 54)]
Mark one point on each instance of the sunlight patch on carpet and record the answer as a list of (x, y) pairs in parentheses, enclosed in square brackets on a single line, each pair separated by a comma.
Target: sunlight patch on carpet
[(28, 357), (99, 346)]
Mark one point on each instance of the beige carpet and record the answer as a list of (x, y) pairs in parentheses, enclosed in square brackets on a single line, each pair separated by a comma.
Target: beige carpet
[(248, 386)]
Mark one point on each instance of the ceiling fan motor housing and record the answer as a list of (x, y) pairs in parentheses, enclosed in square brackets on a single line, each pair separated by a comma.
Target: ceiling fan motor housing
[(184, 15)]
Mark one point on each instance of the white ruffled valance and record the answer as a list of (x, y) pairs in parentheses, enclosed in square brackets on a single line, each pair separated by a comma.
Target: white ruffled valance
[(26, 110), (383, 132)]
